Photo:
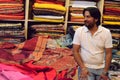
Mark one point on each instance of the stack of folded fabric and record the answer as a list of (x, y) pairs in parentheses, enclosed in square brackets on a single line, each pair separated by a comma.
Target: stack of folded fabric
[(11, 32), (11, 10), (48, 29), (115, 33), (49, 10), (111, 12), (76, 9), (116, 43)]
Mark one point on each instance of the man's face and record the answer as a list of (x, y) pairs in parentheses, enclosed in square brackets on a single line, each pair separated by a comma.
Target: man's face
[(89, 20)]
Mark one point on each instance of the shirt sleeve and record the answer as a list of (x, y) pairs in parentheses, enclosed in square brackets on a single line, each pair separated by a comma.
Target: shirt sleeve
[(108, 42), (76, 38)]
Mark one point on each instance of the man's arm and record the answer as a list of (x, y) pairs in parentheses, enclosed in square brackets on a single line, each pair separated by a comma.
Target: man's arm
[(76, 53), (108, 59), (84, 72)]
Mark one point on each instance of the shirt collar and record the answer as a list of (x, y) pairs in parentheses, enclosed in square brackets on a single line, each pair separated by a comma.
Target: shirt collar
[(99, 28)]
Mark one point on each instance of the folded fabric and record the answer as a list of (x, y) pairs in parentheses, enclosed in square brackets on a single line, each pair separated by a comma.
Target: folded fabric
[(7, 4), (10, 25), (76, 9), (10, 6), (110, 17), (11, 17), (11, 1), (76, 15), (77, 20), (50, 6), (14, 8), (47, 26), (10, 11), (15, 40), (116, 35), (48, 12), (48, 20), (11, 33), (111, 22), (49, 17), (51, 35), (51, 1), (82, 4)]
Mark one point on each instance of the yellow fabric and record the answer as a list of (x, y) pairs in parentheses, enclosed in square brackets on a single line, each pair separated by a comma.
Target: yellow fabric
[(81, 17), (111, 17), (118, 53), (48, 20), (77, 15), (111, 23), (50, 6)]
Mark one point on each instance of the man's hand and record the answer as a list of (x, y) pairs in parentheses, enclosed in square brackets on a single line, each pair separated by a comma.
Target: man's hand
[(103, 77), (84, 74)]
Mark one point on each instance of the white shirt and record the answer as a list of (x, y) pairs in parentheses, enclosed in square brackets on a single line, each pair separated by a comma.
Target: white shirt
[(93, 46)]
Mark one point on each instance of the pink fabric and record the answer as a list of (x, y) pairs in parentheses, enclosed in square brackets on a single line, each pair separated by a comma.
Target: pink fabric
[(2, 77), (11, 73), (29, 70)]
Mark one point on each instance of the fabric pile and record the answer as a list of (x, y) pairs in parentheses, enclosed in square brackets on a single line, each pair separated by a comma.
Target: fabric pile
[(49, 10), (111, 18), (11, 32), (31, 60), (115, 31), (114, 72), (76, 9), (111, 12), (71, 30), (11, 10), (52, 30)]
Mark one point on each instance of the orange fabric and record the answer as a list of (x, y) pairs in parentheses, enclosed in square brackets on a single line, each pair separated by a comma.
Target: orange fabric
[(12, 17), (10, 6), (77, 19)]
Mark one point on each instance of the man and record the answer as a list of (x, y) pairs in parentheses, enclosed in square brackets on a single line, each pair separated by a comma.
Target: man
[(92, 47)]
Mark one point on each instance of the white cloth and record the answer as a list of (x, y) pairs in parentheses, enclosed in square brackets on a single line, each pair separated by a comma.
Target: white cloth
[(49, 17), (83, 4), (93, 46)]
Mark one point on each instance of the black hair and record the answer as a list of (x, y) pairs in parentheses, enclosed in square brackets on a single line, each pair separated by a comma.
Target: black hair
[(95, 13)]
